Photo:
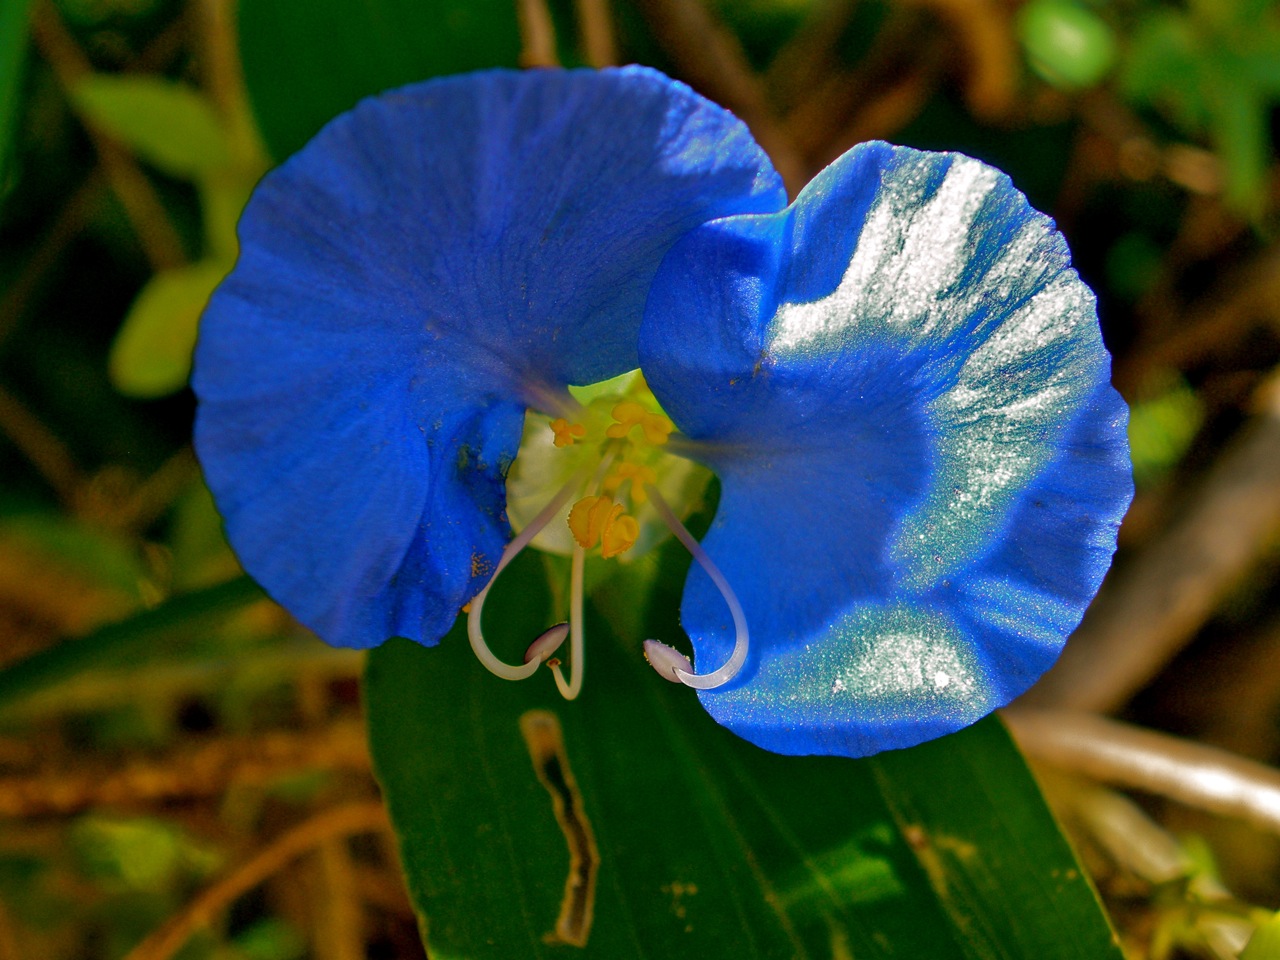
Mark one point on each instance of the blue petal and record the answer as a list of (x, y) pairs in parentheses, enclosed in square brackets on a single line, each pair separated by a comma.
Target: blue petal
[(901, 384), (433, 262)]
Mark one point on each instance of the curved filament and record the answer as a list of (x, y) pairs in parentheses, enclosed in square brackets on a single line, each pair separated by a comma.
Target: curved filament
[(716, 678), (474, 633)]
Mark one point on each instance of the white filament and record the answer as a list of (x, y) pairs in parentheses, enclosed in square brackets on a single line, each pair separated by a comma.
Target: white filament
[(479, 647), (717, 678), (577, 644)]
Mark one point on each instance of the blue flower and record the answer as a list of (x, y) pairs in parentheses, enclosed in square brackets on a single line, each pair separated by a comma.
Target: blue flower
[(900, 383), (433, 263), (898, 380)]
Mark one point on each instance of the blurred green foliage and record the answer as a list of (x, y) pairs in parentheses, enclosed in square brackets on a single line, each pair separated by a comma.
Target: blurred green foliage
[(1066, 43), (1161, 429), (1213, 71), (1147, 127)]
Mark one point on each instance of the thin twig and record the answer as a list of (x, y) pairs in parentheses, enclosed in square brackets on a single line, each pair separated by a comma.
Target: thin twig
[(537, 35), (710, 58), (1247, 296), (906, 54), (884, 114), (596, 23), (184, 774), (158, 56), (49, 455), (110, 688), (338, 916), (984, 32), (154, 495), (1112, 752), (1148, 610), (224, 78), (221, 73), (1123, 832), (160, 241), (344, 821), (810, 53)]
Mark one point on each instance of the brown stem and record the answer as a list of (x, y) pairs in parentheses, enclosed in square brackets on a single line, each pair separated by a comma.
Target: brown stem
[(810, 54), (48, 252), (1112, 752), (597, 32), (537, 35), (1152, 606), (710, 58), (330, 825), (41, 447), (338, 921), (160, 241), (203, 771)]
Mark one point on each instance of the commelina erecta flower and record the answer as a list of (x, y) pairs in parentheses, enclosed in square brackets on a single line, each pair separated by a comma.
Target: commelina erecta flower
[(898, 380)]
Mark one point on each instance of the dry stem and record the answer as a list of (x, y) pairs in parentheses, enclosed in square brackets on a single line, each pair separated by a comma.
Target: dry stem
[(711, 60), (159, 239), (330, 825), (1147, 611), (1112, 752)]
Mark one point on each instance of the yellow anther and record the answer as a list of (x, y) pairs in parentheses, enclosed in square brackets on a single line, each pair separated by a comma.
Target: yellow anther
[(598, 520), (657, 428), (628, 414), (637, 473), (566, 432), (619, 535), (589, 517)]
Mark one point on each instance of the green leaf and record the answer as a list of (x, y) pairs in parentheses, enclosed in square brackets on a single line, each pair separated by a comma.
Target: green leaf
[(1161, 429), (1265, 942), (166, 124), (1163, 68), (1006, 877), (39, 541), (305, 61), (707, 846), (151, 355), (1240, 127), (13, 58), (1066, 43)]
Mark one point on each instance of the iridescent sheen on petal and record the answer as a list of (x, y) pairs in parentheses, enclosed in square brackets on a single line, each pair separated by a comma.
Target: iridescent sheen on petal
[(901, 385), (435, 261)]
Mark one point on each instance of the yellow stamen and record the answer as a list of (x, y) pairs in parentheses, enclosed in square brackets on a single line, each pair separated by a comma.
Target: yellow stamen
[(619, 535), (588, 519), (657, 428), (567, 433), (628, 414), (637, 473), (598, 520)]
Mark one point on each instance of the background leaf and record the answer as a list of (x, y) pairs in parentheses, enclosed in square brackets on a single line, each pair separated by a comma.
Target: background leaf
[(151, 355), (1265, 943), (167, 124), (305, 61), (709, 847)]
